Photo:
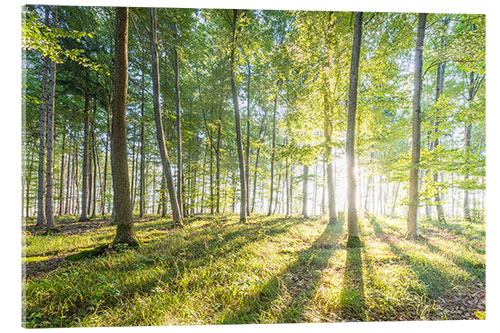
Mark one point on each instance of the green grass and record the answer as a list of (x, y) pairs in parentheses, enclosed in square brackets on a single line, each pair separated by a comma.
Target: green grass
[(217, 270)]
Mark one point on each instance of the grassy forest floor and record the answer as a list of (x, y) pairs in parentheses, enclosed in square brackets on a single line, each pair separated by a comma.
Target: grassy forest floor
[(217, 270)]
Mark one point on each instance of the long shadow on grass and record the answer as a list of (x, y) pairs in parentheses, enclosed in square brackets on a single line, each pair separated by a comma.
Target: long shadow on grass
[(476, 270), (210, 246), (284, 298), (352, 297)]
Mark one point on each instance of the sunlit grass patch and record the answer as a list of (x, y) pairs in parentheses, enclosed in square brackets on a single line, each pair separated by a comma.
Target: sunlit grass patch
[(216, 270)]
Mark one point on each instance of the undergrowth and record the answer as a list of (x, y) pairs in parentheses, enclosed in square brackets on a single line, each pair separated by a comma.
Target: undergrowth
[(216, 270)]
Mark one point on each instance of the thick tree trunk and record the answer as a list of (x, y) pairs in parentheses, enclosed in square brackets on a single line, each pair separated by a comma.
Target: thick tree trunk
[(304, 191), (125, 233), (49, 201), (273, 146), (415, 154), (85, 163), (167, 170), (180, 177), (352, 215), (241, 161), (40, 221)]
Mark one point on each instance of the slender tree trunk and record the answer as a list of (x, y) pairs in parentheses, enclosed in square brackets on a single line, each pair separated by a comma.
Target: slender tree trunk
[(332, 214), (273, 146), (125, 233), (43, 132), (439, 91), (352, 215), (105, 172), (211, 182), (94, 161), (247, 152), (415, 154), (49, 202), (61, 179), (180, 178), (241, 161), (304, 191), (134, 169), (143, 157), (468, 128), (262, 133), (217, 163), (167, 170), (68, 178), (85, 163)]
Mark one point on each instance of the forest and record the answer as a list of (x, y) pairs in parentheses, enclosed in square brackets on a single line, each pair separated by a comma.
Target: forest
[(188, 166)]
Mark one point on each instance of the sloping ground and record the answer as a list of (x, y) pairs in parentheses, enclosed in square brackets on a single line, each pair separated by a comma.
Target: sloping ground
[(273, 269)]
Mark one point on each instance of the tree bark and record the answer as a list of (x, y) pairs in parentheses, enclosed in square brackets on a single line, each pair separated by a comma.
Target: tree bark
[(160, 135), (85, 163), (142, 184), (415, 154), (94, 161), (61, 179), (241, 161), (273, 146), (304, 191), (352, 215), (180, 177), (125, 233), (49, 201), (40, 221), (247, 152)]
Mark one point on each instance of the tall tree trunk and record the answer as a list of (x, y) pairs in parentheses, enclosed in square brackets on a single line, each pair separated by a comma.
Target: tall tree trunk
[(142, 184), (211, 181), (40, 221), (273, 146), (68, 178), (247, 152), (467, 139), (61, 179), (304, 191), (167, 170), (332, 214), (125, 233), (415, 153), (94, 160), (262, 133), (134, 169), (180, 178), (85, 163), (241, 161), (217, 163), (352, 215), (439, 91), (49, 202), (105, 171)]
